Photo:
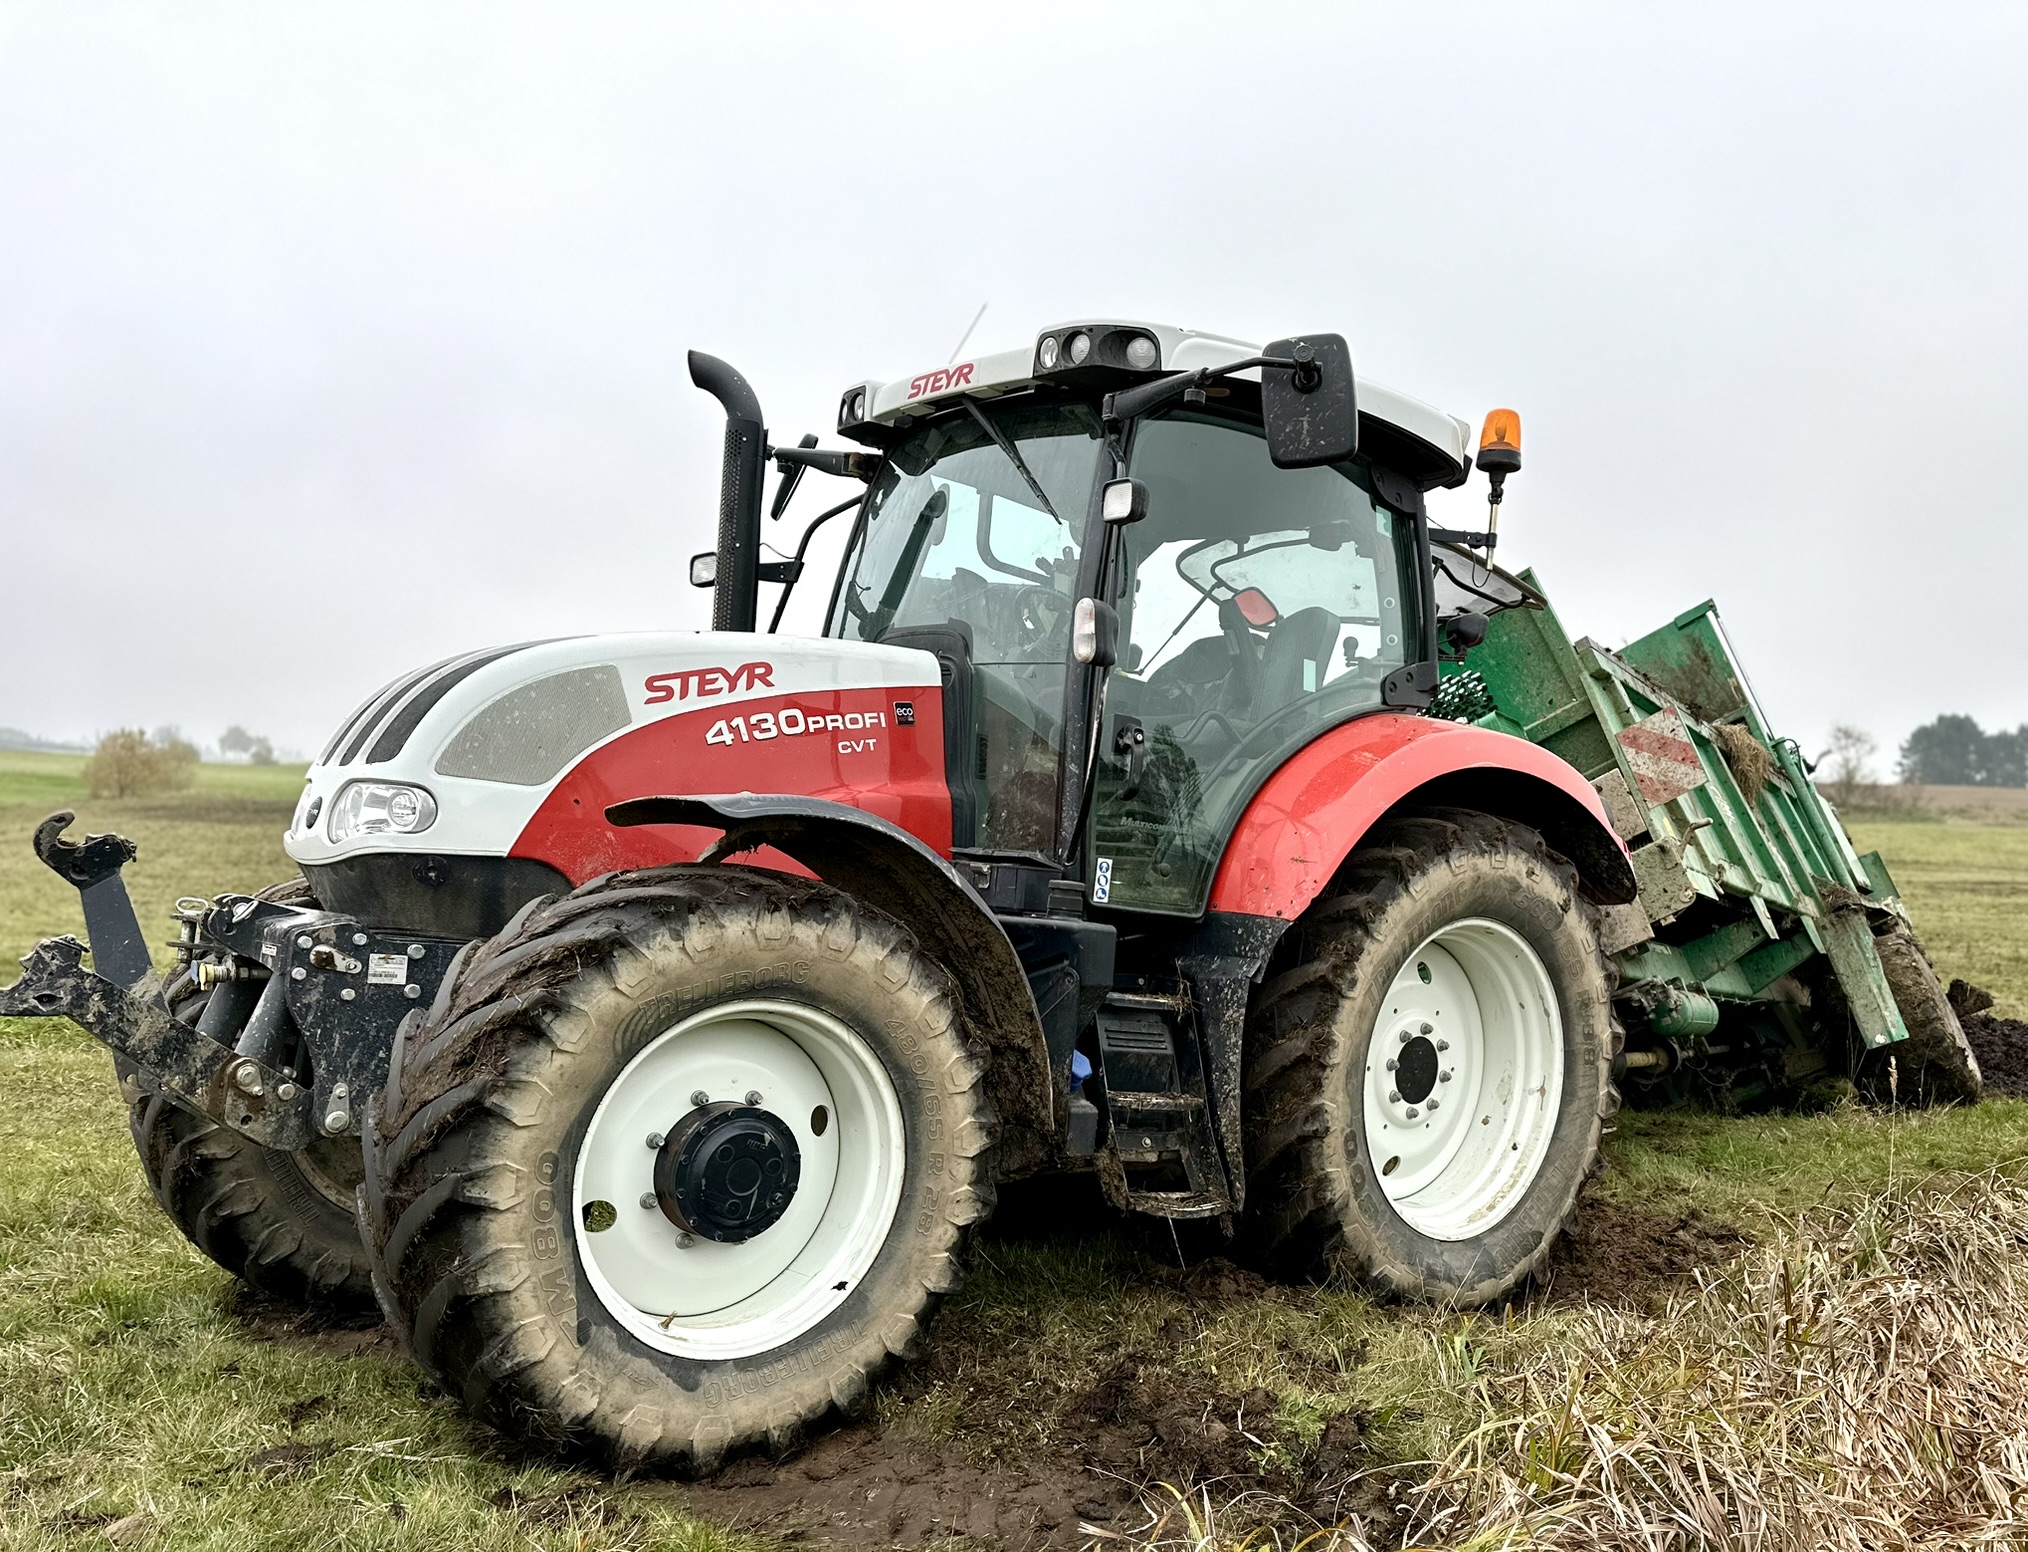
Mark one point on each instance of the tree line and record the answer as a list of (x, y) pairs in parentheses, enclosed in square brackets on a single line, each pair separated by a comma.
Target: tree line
[(1955, 751)]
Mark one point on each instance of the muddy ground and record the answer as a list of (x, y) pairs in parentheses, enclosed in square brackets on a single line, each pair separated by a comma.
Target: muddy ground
[(2000, 1044)]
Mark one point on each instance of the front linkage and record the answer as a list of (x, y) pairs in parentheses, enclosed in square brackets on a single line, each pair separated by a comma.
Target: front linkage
[(302, 1015)]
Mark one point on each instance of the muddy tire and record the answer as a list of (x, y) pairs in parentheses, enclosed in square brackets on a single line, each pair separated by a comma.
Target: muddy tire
[(280, 1222), (1935, 1065), (1454, 960), (582, 1286)]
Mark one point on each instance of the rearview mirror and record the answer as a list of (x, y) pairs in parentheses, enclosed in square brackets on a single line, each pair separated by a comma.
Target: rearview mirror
[(1123, 501), (1310, 410)]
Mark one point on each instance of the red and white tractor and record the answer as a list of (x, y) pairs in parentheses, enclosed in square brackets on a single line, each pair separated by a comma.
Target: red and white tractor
[(656, 1015)]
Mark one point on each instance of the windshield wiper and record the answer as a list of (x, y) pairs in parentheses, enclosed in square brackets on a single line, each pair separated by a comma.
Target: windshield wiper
[(1013, 456)]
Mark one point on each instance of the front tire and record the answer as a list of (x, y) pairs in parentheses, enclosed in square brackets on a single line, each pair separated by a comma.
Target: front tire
[(1429, 1065), (280, 1222), (818, 1160)]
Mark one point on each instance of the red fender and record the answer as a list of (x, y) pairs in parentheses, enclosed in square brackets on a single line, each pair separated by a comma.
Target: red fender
[(1312, 811)]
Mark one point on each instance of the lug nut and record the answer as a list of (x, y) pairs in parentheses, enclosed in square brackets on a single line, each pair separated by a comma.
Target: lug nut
[(1392, 1064), (1404, 1037), (1429, 1029), (699, 1097), (1444, 1077), (655, 1140), (1412, 1112), (1394, 1096), (685, 1239), (648, 1199), (1443, 1045), (1432, 1107), (753, 1097)]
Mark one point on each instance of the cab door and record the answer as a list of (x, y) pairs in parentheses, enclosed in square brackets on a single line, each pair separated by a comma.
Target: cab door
[(1258, 606)]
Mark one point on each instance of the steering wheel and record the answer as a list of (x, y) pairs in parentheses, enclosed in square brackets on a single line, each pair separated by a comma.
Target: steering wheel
[(1038, 615)]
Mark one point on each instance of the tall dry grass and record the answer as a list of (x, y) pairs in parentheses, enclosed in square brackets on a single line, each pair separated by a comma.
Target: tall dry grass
[(1857, 1383)]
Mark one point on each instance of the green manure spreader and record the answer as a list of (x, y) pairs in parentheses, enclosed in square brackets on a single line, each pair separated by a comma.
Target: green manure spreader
[(1765, 955)]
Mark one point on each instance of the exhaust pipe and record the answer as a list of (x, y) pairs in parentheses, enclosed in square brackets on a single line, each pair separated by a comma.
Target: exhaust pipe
[(735, 602)]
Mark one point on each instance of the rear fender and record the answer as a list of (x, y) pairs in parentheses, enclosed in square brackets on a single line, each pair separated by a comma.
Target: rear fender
[(880, 863), (1310, 814)]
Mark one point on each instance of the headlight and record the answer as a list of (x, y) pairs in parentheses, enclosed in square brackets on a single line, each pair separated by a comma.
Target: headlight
[(381, 808)]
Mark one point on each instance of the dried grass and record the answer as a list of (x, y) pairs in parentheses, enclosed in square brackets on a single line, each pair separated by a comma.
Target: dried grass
[(1859, 1382), (1749, 759)]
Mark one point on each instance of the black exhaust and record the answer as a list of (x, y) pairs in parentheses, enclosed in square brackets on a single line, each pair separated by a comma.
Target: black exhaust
[(735, 603)]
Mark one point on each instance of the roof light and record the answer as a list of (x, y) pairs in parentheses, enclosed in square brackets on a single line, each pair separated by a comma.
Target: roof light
[(1141, 353), (1500, 443), (858, 410), (704, 569), (1079, 347), (1047, 353)]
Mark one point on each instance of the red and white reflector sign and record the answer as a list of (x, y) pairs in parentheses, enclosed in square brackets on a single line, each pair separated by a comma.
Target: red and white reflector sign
[(1663, 760)]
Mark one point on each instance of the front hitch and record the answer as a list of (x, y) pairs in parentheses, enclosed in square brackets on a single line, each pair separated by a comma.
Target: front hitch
[(120, 1003)]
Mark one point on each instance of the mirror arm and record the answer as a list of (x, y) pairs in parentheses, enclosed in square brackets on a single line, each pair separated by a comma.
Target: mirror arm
[(1466, 536), (1127, 404), (793, 570)]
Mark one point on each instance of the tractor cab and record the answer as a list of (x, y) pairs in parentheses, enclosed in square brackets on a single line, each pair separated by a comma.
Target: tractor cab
[(1250, 604)]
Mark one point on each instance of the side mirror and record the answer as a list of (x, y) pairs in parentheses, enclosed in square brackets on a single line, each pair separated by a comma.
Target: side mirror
[(1465, 631), (1094, 633), (1123, 501), (704, 569), (1310, 410)]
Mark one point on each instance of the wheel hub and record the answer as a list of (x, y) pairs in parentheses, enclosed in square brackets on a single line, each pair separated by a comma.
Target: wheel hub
[(1416, 1070), (727, 1172)]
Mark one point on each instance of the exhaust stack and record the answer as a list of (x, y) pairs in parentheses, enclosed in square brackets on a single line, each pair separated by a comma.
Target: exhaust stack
[(735, 602)]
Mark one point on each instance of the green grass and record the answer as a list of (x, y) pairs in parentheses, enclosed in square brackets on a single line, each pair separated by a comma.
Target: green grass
[(135, 1380)]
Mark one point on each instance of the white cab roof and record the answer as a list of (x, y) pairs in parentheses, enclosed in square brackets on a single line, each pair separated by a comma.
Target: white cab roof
[(988, 376)]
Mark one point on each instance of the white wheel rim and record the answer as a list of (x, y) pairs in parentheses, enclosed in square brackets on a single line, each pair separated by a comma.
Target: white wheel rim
[(1456, 1157), (719, 1300)]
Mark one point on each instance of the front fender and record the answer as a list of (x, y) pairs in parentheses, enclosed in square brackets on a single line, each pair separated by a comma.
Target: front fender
[(890, 870), (1308, 816)]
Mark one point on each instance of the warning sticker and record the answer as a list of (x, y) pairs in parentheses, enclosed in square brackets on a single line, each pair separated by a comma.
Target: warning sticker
[(386, 969), (1661, 756)]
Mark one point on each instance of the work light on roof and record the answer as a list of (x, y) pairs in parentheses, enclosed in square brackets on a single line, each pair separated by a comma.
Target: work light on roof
[(1079, 347), (1047, 354), (1141, 353)]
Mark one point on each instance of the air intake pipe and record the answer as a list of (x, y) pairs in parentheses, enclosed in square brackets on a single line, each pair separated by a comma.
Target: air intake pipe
[(735, 602)]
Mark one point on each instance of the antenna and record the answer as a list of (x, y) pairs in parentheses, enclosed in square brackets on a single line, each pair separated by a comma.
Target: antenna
[(968, 332)]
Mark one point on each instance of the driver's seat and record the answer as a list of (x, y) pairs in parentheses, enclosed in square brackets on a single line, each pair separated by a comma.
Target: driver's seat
[(1295, 658)]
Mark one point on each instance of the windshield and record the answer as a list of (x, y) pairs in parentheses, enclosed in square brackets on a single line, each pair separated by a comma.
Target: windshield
[(958, 544)]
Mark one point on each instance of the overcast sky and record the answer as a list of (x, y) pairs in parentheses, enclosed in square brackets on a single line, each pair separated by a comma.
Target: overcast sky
[(335, 339)]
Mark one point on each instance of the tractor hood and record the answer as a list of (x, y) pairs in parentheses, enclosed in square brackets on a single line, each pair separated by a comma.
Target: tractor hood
[(518, 751)]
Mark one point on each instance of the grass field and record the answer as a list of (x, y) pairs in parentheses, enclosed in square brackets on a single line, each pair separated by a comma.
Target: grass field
[(143, 1401)]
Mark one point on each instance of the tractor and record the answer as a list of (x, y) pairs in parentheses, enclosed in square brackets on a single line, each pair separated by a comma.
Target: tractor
[(655, 1016)]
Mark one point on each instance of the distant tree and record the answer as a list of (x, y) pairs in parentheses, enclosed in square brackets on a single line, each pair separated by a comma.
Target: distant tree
[(261, 752), (1848, 763), (1956, 751), (235, 740), (128, 763)]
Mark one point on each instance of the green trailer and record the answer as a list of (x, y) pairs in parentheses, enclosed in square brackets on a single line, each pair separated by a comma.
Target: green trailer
[(1765, 955)]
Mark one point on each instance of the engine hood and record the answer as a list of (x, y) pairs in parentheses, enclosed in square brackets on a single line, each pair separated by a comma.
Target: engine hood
[(519, 750)]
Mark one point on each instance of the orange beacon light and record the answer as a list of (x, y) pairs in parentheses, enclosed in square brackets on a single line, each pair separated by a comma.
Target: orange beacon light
[(1499, 456)]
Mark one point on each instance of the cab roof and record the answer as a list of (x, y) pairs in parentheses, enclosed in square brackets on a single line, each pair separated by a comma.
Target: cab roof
[(1419, 440)]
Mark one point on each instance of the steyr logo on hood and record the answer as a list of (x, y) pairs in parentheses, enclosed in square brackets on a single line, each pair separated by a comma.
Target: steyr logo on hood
[(942, 380), (706, 682)]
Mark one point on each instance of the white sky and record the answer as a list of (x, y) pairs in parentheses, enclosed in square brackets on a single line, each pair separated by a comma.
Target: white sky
[(335, 339)]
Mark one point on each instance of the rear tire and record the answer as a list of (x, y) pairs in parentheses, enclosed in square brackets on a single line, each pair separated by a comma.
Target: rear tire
[(1454, 961), (513, 1201), (280, 1222)]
